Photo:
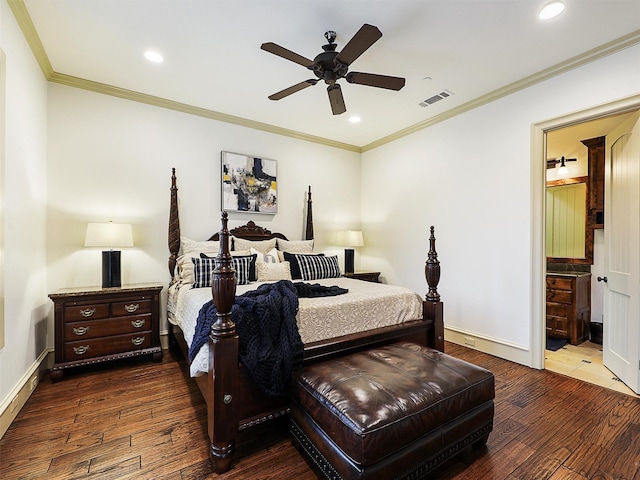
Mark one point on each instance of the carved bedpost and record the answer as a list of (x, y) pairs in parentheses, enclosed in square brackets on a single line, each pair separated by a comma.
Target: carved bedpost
[(174, 225), (223, 357), (309, 231), (432, 269), (432, 306), (223, 287)]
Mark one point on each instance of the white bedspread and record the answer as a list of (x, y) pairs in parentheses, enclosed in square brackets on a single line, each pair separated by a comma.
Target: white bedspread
[(366, 306)]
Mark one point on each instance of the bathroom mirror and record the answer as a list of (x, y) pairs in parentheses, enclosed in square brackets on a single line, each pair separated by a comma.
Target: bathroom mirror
[(568, 237)]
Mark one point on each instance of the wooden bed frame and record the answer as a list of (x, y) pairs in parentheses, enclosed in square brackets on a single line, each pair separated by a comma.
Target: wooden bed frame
[(234, 403)]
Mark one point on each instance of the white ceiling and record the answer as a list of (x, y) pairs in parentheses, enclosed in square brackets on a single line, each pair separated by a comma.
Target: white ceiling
[(213, 58)]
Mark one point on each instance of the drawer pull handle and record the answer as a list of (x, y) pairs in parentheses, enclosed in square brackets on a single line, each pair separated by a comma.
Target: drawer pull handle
[(137, 323), (81, 350), (80, 330), (87, 312), (132, 308), (137, 341)]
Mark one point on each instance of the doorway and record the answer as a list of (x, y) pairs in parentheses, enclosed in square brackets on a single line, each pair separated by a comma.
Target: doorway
[(563, 139)]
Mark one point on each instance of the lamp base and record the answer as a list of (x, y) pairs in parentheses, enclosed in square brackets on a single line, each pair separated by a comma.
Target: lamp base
[(111, 269), (348, 260)]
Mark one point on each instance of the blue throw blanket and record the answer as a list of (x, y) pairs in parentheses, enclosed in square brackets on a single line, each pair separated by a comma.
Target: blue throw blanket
[(270, 347)]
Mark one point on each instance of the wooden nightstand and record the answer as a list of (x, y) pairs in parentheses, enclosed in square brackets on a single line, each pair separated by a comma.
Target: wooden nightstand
[(97, 324), (366, 276)]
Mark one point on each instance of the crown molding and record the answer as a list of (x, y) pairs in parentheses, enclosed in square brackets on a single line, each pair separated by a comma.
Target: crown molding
[(132, 95), (28, 29), (589, 56), (33, 39), (24, 20)]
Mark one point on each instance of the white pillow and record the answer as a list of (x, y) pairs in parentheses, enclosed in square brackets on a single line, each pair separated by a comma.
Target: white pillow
[(264, 246), (191, 246), (272, 272), (184, 267), (271, 257), (295, 246)]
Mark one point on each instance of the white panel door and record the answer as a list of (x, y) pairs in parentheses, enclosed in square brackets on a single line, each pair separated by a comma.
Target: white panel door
[(621, 336)]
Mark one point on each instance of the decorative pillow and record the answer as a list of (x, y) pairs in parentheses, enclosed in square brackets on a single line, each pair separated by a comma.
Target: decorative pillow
[(315, 267), (252, 264), (272, 272), (263, 246), (203, 270), (191, 246), (295, 246), (184, 268), (292, 258), (271, 257)]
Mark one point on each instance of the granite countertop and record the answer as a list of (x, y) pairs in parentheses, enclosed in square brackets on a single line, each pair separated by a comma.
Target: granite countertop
[(569, 274)]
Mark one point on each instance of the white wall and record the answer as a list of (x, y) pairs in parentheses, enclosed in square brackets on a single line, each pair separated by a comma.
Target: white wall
[(472, 177), (111, 159), (24, 210)]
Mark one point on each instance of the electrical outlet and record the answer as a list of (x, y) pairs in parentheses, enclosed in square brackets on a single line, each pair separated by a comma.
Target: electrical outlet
[(34, 382), (469, 341)]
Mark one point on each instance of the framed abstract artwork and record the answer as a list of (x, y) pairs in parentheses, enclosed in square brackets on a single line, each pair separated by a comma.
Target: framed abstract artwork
[(249, 184)]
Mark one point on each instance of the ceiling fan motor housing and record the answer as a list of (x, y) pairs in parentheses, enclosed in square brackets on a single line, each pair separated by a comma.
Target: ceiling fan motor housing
[(326, 67)]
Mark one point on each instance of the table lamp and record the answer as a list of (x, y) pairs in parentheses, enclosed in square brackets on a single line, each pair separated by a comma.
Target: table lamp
[(109, 235), (350, 239)]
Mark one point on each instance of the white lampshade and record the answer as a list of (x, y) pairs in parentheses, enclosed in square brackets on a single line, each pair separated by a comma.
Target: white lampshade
[(353, 238), (108, 235)]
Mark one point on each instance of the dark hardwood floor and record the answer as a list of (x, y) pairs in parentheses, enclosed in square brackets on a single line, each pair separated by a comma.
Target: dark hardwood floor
[(139, 420)]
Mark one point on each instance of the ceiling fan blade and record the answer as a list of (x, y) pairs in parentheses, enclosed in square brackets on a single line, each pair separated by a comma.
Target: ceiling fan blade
[(373, 80), (336, 99), (293, 89), (287, 54), (361, 41)]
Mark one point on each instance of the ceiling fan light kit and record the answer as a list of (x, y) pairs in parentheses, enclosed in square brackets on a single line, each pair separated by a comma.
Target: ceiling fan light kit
[(330, 66)]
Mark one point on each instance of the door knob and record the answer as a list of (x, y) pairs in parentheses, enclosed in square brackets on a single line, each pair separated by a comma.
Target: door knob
[(602, 279)]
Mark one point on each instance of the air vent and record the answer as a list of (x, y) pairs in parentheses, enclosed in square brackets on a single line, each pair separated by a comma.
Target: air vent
[(436, 98)]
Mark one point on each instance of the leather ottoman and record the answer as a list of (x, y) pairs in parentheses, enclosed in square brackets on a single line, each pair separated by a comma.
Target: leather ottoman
[(397, 411)]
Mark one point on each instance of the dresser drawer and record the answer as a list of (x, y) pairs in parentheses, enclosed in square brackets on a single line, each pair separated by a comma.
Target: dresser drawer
[(98, 347), (560, 296), (131, 307), (557, 326), (74, 313), (559, 283), (104, 328), (558, 309)]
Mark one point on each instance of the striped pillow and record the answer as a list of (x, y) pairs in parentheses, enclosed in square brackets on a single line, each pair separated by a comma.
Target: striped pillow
[(293, 258), (315, 267), (203, 270)]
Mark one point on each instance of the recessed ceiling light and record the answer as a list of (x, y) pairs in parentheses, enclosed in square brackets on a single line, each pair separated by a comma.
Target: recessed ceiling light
[(154, 57), (354, 119), (551, 10)]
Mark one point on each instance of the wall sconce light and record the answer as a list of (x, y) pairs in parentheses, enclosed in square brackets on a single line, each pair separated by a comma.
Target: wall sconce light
[(109, 235), (562, 169), (350, 239)]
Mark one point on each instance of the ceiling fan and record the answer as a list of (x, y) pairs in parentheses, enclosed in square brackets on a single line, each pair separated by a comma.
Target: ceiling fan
[(552, 162), (331, 66)]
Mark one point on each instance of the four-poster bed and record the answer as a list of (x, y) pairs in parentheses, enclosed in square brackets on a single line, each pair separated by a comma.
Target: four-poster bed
[(234, 402)]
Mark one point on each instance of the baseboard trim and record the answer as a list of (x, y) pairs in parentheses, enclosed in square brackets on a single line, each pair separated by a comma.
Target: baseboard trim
[(493, 346), (16, 399)]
